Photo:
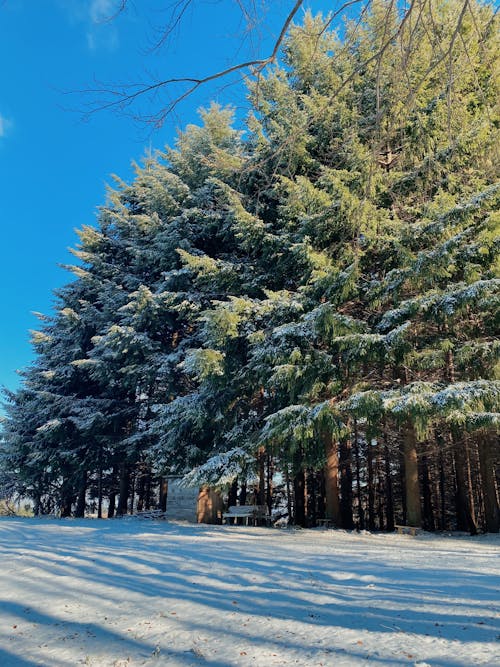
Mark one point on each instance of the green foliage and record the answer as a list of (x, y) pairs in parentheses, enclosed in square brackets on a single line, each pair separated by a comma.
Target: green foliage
[(334, 269)]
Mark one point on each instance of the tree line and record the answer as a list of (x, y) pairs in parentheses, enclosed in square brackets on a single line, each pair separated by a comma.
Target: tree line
[(303, 309)]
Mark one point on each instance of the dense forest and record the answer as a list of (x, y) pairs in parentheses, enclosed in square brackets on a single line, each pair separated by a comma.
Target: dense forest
[(301, 311)]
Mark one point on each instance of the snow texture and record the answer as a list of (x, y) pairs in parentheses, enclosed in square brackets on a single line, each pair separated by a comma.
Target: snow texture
[(128, 592)]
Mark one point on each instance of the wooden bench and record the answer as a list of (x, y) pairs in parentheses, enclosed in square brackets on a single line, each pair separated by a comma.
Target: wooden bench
[(253, 513), (408, 530), (325, 523), (151, 514)]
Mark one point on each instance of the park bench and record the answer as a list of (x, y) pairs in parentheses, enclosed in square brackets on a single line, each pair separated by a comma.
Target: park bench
[(254, 513), (407, 530), (325, 523), (151, 514)]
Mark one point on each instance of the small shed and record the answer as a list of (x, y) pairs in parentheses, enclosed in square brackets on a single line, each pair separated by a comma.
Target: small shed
[(182, 501)]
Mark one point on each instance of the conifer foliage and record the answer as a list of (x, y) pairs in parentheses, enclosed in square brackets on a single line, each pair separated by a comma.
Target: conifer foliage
[(313, 301)]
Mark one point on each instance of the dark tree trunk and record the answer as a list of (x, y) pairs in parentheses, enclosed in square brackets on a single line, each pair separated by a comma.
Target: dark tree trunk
[(371, 486), (311, 498), (80, 501), (288, 494), (428, 519), (389, 495), (269, 488), (320, 482), (99, 483), (141, 488), (112, 505), (65, 508), (232, 496), (66, 499), (442, 492), (486, 448), (299, 490), (37, 509), (133, 477), (465, 511), (163, 494), (361, 509), (148, 494), (243, 493), (299, 487), (261, 466), (123, 490), (345, 484), (379, 487)]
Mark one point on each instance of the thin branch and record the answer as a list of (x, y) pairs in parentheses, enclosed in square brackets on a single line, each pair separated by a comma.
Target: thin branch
[(113, 16), (174, 22), (256, 66), (379, 53)]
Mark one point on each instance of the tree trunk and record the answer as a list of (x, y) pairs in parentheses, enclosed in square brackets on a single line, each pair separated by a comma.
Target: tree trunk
[(243, 493), (389, 496), (442, 493), (331, 481), (320, 481), (163, 494), (371, 486), (379, 487), (99, 483), (133, 477), (465, 512), (209, 506), (123, 491), (37, 509), (269, 487), (412, 489), (141, 487), (299, 490), (288, 494), (80, 501), (346, 484), (361, 510), (232, 496), (427, 496), (311, 498), (486, 448), (66, 499), (111, 505), (261, 463), (147, 498)]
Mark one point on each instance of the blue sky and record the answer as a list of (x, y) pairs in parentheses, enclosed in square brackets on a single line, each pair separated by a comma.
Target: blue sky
[(53, 164)]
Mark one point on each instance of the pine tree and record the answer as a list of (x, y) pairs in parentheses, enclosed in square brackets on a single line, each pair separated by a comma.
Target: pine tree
[(318, 297)]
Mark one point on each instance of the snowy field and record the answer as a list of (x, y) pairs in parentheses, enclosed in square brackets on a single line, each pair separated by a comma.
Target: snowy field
[(127, 592)]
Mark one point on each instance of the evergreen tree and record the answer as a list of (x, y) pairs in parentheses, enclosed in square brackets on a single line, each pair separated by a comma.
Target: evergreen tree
[(319, 297)]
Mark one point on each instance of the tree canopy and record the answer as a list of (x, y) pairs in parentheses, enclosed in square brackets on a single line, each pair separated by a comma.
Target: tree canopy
[(316, 295)]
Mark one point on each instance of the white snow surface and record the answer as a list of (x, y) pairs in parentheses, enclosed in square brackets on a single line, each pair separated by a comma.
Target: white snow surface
[(129, 592)]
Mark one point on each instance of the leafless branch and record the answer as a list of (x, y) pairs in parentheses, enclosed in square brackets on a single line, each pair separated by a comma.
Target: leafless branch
[(178, 11), (125, 99), (120, 9)]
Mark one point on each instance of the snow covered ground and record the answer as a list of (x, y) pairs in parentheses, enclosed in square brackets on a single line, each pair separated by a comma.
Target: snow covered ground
[(142, 593)]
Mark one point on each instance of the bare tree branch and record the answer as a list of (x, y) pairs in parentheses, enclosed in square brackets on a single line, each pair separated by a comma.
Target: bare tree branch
[(125, 99)]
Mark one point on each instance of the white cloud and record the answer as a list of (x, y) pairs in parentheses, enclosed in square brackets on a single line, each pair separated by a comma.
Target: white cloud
[(101, 33), (5, 125), (102, 37), (102, 10)]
